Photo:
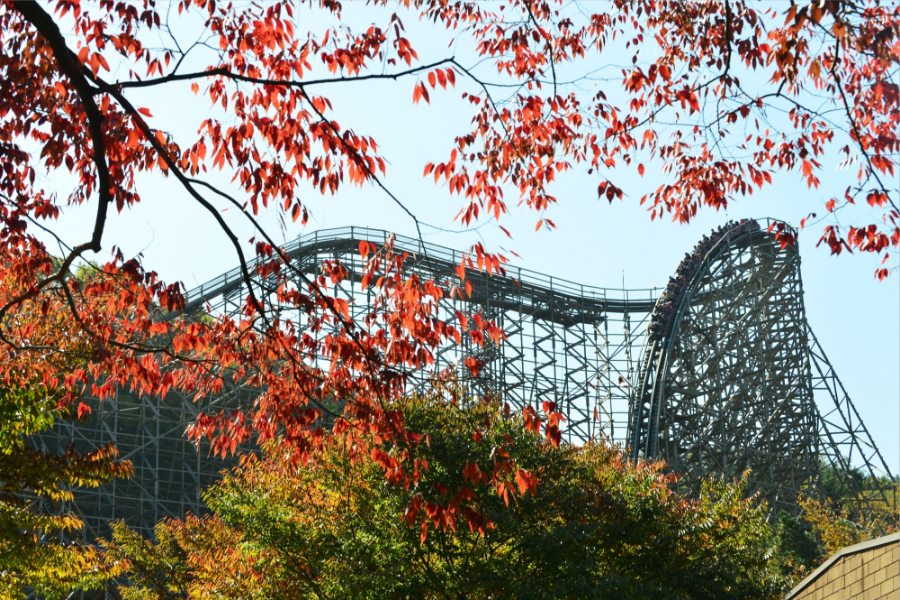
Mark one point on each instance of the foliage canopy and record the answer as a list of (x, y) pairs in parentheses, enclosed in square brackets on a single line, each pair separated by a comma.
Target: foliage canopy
[(587, 524)]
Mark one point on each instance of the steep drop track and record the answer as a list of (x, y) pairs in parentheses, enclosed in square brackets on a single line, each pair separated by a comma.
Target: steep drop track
[(732, 378)]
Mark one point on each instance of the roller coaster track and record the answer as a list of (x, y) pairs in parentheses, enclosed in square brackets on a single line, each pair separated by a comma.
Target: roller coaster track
[(732, 377), (715, 374)]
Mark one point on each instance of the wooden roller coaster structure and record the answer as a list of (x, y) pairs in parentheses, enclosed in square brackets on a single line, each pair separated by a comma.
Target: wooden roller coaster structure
[(717, 373)]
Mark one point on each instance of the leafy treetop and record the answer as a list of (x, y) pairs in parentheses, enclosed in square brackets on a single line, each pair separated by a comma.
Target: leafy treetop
[(588, 524)]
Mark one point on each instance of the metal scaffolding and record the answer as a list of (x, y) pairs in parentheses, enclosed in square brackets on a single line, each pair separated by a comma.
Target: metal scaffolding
[(738, 381)]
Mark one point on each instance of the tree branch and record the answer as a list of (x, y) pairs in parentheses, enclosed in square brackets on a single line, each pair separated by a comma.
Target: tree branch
[(362, 162), (856, 131), (69, 64), (229, 74), (547, 42), (170, 163)]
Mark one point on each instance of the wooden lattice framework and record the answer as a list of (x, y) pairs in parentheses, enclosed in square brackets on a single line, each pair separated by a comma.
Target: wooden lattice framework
[(739, 382)]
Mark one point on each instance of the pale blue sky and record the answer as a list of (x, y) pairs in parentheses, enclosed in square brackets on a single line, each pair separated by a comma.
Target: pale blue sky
[(856, 318)]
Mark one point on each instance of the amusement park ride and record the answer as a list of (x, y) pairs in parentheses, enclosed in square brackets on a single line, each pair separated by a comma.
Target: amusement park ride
[(716, 374)]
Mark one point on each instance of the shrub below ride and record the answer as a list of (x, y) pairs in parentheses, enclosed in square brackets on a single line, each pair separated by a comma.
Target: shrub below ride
[(798, 547), (531, 519), (839, 516), (838, 522)]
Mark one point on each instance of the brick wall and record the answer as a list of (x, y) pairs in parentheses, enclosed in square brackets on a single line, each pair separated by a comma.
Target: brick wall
[(867, 571)]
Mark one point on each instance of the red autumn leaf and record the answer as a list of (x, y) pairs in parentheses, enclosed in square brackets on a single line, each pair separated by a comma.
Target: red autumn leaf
[(419, 92), (83, 409), (474, 365), (526, 482)]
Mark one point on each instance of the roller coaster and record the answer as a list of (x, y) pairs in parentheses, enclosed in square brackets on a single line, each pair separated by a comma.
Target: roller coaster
[(717, 373)]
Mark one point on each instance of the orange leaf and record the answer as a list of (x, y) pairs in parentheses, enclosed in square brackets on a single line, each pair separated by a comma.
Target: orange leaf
[(83, 409), (524, 481), (364, 248), (145, 112), (133, 138)]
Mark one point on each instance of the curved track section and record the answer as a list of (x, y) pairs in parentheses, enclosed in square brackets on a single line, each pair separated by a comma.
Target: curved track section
[(726, 380)]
